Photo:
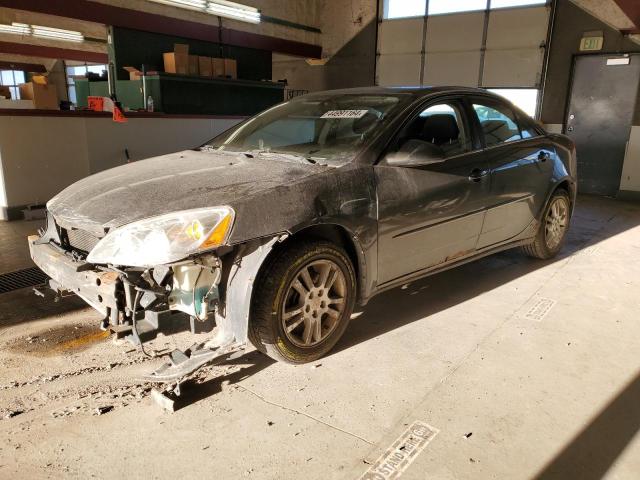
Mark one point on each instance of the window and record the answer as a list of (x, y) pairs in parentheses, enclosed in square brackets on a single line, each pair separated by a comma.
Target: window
[(11, 79), (515, 3), (416, 8), (81, 70), (526, 99), (527, 129), (498, 124), (437, 7), (322, 127), (439, 131), (404, 8)]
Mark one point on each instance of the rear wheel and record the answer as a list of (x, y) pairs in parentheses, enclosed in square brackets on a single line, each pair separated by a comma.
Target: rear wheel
[(303, 301), (553, 228)]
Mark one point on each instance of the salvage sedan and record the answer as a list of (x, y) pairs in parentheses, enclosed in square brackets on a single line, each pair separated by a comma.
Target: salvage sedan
[(273, 231)]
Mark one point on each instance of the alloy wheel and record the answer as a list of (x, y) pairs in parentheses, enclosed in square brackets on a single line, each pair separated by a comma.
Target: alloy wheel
[(556, 222), (314, 303)]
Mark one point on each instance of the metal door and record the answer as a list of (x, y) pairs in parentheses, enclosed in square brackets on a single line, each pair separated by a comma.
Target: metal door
[(603, 98)]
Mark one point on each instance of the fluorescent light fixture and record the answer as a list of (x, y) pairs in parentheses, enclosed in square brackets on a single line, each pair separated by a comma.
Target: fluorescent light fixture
[(199, 5), (234, 11), (42, 32), (56, 34), (221, 8), (16, 28)]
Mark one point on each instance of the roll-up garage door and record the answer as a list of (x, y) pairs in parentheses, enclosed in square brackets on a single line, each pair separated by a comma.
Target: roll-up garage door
[(515, 47), (499, 48), (400, 52), (453, 49)]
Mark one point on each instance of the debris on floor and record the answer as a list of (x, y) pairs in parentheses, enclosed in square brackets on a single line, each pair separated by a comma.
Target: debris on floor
[(104, 409)]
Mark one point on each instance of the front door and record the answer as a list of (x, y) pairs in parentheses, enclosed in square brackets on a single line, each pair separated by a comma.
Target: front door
[(430, 192), (603, 99)]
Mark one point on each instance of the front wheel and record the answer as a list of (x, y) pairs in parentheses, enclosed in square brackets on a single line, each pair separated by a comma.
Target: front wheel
[(553, 228), (302, 302)]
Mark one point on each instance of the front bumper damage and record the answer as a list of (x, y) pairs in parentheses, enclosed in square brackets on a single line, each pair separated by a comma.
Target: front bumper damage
[(197, 295)]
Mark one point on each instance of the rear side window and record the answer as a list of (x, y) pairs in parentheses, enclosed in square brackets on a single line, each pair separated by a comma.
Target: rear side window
[(527, 128), (498, 123)]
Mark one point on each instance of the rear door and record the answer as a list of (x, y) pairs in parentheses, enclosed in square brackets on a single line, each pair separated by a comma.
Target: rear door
[(431, 210), (520, 161)]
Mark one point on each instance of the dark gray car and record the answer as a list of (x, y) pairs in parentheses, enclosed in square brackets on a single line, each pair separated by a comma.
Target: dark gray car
[(275, 229)]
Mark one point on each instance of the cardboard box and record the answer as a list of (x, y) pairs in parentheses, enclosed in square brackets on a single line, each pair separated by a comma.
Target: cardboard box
[(181, 48), (44, 97), (205, 66), (194, 65), (176, 63), (217, 64), (5, 92), (39, 79), (135, 74), (230, 68), (178, 60)]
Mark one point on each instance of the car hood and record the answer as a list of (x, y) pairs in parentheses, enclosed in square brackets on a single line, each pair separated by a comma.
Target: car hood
[(180, 181)]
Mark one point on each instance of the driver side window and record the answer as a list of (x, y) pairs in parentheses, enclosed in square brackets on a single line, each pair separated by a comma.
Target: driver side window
[(439, 130)]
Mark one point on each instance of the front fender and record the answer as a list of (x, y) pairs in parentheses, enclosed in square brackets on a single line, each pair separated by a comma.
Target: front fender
[(233, 323)]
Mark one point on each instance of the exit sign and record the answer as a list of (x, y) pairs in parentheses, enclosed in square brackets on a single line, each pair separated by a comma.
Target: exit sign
[(591, 43)]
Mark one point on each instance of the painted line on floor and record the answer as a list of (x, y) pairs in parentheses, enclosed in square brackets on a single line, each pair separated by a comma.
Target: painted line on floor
[(402, 452), (540, 309)]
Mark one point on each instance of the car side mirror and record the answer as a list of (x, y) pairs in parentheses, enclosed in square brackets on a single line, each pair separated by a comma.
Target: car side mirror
[(415, 152)]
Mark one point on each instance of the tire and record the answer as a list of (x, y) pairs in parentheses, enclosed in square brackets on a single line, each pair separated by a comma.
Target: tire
[(282, 290), (547, 243)]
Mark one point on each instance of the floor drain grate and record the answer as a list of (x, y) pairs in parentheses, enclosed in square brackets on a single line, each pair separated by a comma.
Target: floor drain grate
[(29, 277)]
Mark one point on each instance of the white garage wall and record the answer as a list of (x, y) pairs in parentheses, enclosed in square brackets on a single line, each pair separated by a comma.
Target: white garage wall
[(40, 156), (630, 180)]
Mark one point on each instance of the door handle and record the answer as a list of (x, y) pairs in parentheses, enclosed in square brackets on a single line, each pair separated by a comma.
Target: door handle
[(544, 156), (477, 175)]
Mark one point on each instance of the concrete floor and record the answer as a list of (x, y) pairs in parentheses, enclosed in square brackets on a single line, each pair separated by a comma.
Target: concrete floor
[(527, 369)]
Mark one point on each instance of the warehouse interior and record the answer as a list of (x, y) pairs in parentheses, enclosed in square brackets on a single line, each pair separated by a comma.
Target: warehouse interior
[(517, 368)]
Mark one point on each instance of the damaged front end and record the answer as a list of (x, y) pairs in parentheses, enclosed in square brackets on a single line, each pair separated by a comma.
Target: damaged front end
[(207, 292)]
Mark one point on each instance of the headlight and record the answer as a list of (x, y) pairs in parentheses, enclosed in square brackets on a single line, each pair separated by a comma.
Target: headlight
[(165, 239)]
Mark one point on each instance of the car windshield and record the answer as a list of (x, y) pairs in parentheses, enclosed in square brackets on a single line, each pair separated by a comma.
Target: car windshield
[(321, 128)]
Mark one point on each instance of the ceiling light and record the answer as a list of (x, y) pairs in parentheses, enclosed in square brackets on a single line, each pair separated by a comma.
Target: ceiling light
[(221, 8), (16, 28), (56, 34), (233, 10), (42, 32), (200, 5)]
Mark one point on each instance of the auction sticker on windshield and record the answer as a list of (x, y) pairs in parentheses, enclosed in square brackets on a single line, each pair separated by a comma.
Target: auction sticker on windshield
[(344, 114), (402, 452)]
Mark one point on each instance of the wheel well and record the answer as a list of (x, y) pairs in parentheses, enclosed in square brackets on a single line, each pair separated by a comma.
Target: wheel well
[(333, 233), (566, 185)]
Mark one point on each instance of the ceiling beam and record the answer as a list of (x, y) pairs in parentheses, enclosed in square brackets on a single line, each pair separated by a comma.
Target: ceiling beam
[(25, 67), (52, 52), (151, 22), (631, 9)]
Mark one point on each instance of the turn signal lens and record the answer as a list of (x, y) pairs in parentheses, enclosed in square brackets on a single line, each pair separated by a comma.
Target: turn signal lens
[(219, 233)]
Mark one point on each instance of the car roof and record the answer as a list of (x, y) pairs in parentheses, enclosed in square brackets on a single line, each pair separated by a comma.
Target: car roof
[(416, 92)]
